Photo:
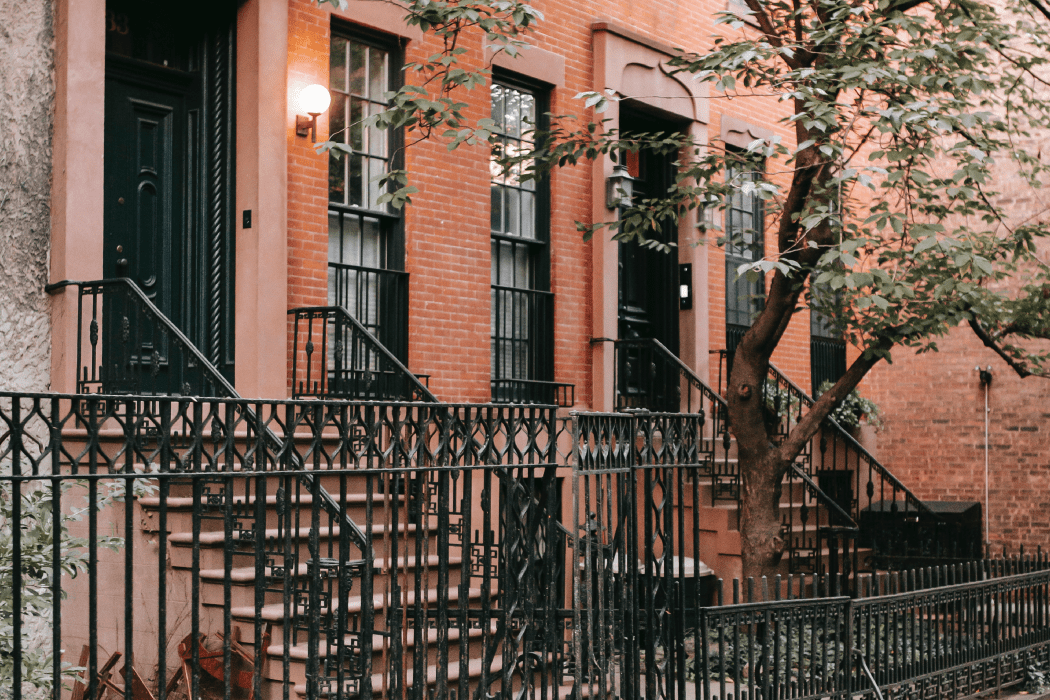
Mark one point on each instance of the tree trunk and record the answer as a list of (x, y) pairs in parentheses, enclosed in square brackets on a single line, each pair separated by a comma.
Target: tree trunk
[(761, 466), (761, 544)]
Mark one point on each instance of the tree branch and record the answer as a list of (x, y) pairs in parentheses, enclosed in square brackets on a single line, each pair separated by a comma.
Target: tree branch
[(808, 425), (1021, 368), (765, 23)]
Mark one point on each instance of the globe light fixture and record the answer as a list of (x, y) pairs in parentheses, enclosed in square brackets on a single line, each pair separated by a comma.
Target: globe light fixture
[(314, 100)]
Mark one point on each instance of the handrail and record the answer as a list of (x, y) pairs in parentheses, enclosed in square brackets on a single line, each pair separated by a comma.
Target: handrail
[(844, 435), (688, 373), (221, 383), (825, 499), (417, 386), (683, 369), (808, 401), (185, 343)]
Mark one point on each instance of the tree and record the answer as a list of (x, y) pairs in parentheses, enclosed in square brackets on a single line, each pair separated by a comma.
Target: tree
[(885, 214)]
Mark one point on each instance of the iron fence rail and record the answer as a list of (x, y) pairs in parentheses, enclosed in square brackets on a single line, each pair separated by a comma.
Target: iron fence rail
[(219, 516), (949, 631), (326, 549)]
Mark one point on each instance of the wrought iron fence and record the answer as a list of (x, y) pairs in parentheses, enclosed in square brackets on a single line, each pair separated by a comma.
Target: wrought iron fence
[(938, 632), (334, 356), (528, 391), (209, 560), (327, 549)]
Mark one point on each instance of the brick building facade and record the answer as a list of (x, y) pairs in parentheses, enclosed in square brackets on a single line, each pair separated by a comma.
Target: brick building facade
[(271, 234), (443, 240)]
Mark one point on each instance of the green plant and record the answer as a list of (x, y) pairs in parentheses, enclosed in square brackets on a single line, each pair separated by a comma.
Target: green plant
[(854, 409), (1036, 679), (37, 531)]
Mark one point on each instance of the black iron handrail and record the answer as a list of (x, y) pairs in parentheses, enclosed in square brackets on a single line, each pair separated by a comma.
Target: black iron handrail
[(824, 499), (95, 376), (377, 297), (209, 374), (852, 443), (649, 376), (350, 363)]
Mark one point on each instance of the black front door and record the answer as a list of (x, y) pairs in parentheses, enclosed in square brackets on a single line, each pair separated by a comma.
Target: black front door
[(145, 215), (648, 295), (648, 283), (146, 187), (168, 211)]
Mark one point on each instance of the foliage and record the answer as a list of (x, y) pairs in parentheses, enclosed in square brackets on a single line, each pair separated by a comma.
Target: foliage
[(38, 532), (1037, 680), (902, 110), (854, 409)]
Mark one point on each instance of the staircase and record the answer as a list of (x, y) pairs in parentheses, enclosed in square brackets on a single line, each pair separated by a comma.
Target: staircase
[(330, 549), (823, 496), (336, 550)]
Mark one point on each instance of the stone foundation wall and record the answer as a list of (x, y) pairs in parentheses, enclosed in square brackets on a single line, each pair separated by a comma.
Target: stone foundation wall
[(27, 97)]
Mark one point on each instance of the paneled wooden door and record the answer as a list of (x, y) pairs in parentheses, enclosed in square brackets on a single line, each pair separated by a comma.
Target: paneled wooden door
[(168, 212)]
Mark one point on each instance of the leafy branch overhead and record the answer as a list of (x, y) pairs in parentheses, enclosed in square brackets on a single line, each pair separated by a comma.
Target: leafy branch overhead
[(885, 202), (429, 105)]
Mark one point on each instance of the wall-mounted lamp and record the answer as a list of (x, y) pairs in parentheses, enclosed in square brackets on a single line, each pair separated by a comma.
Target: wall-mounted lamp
[(619, 187), (685, 286), (314, 100)]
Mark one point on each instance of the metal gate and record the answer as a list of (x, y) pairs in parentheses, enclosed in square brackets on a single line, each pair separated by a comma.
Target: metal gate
[(636, 497)]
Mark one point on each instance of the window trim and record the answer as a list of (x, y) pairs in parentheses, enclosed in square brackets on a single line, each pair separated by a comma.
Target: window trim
[(542, 93), (733, 260)]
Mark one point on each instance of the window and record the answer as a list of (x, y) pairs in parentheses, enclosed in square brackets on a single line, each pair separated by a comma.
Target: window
[(365, 249), (827, 350), (744, 244), (522, 305)]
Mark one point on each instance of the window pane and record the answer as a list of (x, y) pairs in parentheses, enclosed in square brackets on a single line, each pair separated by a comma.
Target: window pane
[(497, 209), (376, 168), (513, 112), (376, 135), (497, 107), (528, 215), (356, 137), (358, 55), (513, 199), (370, 246), (337, 178), (337, 119), (354, 185), (337, 74), (376, 74), (335, 237)]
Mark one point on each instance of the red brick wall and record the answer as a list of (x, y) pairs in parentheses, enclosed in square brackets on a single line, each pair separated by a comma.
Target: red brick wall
[(447, 226), (933, 439)]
